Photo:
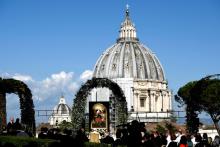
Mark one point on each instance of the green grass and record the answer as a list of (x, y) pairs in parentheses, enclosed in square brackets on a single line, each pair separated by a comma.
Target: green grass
[(22, 141)]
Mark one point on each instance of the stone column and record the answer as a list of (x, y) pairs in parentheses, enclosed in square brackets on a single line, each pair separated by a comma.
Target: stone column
[(136, 103), (149, 100), (170, 100), (163, 100), (166, 101), (152, 95), (147, 103)]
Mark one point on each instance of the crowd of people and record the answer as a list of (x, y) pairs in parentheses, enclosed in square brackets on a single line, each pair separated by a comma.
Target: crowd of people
[(132, 135)]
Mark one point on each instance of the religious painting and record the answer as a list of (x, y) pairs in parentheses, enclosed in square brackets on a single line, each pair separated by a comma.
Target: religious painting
[(99, 115)]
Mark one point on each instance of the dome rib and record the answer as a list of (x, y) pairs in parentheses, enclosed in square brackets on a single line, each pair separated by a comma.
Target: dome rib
[(99, 62), (110, 60), (160, 68), (159, 65), (146, 66), (134, 61), (121, 62), (146, 60)]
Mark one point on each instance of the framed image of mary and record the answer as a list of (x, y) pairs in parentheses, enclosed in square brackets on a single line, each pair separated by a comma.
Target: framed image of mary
[(99, 115)]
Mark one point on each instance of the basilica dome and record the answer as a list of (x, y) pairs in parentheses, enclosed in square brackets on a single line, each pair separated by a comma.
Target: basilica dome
[(60, 113), (138, 72), (62, 109), (128, 58)]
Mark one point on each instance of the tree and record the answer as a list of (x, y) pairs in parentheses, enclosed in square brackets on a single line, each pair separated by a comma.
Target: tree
[(159, 128), (207, 93), (170, 127), (65, 125), (184, 97)]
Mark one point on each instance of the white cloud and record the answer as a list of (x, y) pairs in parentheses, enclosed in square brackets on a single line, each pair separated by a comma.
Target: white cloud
[(54, 85), (73, 87), (24, 78), (87, 74), (61, 80)]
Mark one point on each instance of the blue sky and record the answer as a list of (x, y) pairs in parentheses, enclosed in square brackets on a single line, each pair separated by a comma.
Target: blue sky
[(47, 41)]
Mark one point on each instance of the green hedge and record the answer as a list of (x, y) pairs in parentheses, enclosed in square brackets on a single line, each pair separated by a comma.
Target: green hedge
[(24, 141), (34, 142)]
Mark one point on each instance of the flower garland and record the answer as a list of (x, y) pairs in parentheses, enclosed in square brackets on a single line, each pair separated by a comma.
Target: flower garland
[(79, 103), (26, 102)]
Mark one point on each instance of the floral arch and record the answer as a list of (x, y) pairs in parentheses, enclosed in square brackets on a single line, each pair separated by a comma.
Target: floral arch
[(26, 102), (79, 103)]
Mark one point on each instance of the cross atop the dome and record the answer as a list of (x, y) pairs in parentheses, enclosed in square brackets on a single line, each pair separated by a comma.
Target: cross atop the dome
[(62, 99), (62, 94), (127, 10), (127, 7)]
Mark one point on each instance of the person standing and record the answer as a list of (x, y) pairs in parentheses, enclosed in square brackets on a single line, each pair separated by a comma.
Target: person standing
[(10, 127), (17, 125), (183, 141)]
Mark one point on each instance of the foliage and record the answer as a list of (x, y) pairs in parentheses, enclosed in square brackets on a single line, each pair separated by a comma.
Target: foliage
[(207, 93), (203, 95), (65, 125), (79, 104), (170, 127), (160, 129), (184, 96), (26, 102), (25, 141)]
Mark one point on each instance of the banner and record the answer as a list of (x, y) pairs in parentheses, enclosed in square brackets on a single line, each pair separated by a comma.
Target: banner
[(99, 115)]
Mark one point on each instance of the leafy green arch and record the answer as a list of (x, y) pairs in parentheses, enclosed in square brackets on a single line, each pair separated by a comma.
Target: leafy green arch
[(79, 104), (26, 102)]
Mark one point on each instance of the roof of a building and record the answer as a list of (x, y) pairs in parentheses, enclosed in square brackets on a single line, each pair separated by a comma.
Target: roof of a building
[(62, 107)]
